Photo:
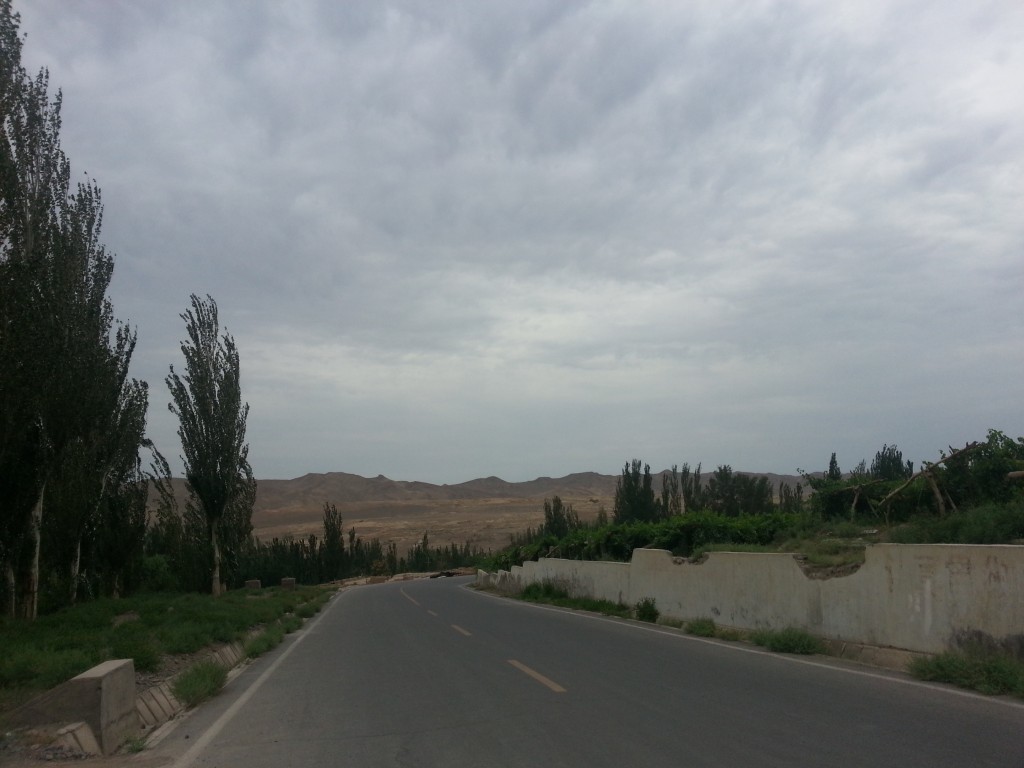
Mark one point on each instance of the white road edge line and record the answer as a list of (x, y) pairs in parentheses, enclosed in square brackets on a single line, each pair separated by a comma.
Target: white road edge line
[(780, 656), (212, 732)]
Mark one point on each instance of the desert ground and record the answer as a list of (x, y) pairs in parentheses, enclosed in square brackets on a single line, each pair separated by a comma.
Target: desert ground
[(486, 523)]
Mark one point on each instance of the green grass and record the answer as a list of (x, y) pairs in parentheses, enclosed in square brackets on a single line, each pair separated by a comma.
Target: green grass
[(700, 627), (266, 640), (552, 594), (39, 655), (789, 640), (647, 610), (199, 683), (824, 552), (989, 673)]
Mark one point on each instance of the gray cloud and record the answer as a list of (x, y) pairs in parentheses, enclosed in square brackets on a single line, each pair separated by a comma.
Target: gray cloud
[(456, 240)]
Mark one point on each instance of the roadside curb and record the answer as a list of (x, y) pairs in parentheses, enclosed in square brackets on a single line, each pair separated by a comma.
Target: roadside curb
[(157, 704)]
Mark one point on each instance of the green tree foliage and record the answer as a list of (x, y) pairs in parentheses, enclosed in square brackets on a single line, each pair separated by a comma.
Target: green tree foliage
[(979, 475), (734, 494), (208, 403), (63, 360), (888, 464), (671, 501), (333, 553), (559, 518), (634, 494)]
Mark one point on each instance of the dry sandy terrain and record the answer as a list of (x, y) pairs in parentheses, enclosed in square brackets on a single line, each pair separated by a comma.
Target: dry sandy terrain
[(485, 523)]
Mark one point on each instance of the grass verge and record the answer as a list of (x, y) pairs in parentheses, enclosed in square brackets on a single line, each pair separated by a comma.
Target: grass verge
[(989, 673), (199, 682), (41, 654), (552, 594), (789, 640)]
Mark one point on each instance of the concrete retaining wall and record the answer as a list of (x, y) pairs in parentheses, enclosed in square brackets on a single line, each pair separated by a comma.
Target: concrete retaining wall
[(919, 597), (100, 700)]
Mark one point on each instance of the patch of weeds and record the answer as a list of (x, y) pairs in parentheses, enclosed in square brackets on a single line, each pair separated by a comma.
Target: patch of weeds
[(647, 610), (605, 607), (290, 623), (788, 640), (134, 745), (674, 623), (726, 633), (544, 591), (266, 640), (551, 593), (832, 552), (199, 682), (701, 628), (989, 673), (131, 642), (307, 610)]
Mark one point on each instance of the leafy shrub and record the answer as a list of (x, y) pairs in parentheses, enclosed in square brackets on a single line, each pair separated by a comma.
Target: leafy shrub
[(646, 610), (789, 640), (700, 627), (157, 575), (199, 682)]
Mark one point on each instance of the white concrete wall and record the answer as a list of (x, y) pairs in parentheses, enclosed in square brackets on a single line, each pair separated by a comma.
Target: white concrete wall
[(919, 597)]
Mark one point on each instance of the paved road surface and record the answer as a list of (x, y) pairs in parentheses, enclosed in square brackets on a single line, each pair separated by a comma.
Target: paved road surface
[(430, 673)]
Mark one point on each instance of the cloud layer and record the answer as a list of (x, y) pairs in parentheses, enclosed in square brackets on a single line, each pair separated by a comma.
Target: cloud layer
[(524, 239)]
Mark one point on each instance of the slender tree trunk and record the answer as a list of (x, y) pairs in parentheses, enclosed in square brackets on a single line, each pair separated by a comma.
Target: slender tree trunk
[(939, 501), (31, 609), (216, 560), (76, 565), (10, 587)]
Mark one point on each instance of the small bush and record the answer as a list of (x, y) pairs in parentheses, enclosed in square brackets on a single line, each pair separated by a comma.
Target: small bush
[(701, 628), (157, 575), (646, 610), (199, 682), (789, 640), (290, 623)]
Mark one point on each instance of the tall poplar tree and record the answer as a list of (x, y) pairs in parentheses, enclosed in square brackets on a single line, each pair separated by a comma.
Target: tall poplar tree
[(208, 403)]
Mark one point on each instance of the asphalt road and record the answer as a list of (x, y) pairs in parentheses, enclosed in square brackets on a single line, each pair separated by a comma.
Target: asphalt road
[(430, 673)]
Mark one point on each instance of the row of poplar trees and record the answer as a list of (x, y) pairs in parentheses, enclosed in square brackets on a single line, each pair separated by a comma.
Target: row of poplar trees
[(73, 488)]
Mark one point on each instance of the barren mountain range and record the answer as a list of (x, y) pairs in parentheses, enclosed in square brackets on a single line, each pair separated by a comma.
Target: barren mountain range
[(485, 511)]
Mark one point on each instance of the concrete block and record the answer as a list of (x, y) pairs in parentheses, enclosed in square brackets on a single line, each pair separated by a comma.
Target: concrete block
[(288, 583), (102, 697), (252, 584), (78, 737)]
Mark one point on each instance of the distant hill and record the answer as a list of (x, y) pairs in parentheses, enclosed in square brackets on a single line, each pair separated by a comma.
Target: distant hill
[(339, 487), (313, 490), (485, 510)]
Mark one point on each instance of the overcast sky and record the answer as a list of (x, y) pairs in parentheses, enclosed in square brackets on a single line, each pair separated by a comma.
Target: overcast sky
[(460, 239)]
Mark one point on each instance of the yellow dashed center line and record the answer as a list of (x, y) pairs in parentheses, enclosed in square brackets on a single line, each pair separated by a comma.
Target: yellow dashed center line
[(537, 676)]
